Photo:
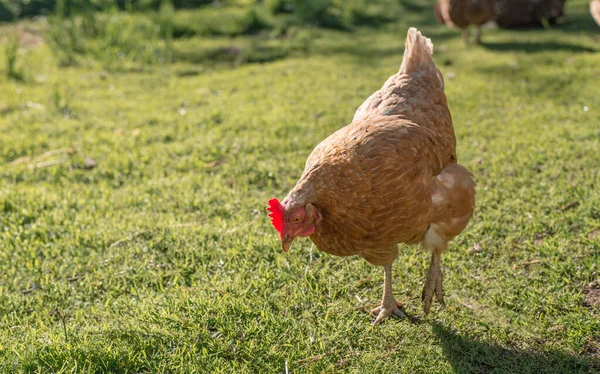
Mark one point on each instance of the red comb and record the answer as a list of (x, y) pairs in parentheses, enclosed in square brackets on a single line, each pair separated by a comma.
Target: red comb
[(277, 213)]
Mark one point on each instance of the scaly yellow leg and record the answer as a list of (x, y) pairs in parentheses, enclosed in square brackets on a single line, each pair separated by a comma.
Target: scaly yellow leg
[(389, 306)]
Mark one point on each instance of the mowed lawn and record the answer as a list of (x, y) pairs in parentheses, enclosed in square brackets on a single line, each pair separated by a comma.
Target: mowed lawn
[(134, 237)]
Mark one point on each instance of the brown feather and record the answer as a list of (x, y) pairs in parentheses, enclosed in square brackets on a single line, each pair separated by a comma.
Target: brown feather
[(595, 10), (462, 13), (391, 174)]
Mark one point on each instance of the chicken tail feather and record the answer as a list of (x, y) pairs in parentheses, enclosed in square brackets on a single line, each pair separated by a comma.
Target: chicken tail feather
[(418, 54)]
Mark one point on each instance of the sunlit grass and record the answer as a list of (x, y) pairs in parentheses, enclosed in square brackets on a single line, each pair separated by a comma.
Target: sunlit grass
[(160, 258)]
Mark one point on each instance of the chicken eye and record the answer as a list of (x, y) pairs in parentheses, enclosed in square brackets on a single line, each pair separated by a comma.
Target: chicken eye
[(296, 219)]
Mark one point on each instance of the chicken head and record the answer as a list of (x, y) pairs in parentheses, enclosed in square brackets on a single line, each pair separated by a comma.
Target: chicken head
[(292, 221)]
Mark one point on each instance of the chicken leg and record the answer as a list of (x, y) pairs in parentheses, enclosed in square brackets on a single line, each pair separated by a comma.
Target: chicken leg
[(478, 35), (433, 283), (389, 305), (465, 36)]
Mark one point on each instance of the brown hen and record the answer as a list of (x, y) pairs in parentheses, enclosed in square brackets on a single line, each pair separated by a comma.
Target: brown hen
[(389, 177), (512, 14), (462, 13)]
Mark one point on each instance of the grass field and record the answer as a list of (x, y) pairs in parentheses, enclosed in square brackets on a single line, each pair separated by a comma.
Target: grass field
[(133, 235)]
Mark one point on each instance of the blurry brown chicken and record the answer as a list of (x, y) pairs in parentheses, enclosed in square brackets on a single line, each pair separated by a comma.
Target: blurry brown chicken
[(511, 14), (595, 10), (462, 13), (389, 177)]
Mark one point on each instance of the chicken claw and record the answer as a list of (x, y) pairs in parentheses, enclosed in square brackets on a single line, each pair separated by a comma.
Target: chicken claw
[(433, 284), (382, 312)]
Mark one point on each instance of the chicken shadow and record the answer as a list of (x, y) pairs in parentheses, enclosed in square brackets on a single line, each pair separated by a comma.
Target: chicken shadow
[(533, 47), (573, 22), (467, 355), (577, 22)]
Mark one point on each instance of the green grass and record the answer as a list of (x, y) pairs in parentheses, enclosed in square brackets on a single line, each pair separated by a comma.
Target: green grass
[(161, 258)]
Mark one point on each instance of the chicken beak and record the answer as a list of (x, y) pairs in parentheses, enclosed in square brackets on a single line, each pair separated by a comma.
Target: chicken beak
[(286, 242)]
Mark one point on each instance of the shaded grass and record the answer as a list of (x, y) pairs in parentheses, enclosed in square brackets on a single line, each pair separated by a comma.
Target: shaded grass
[(240, 34), (228, 21), (161, 258)]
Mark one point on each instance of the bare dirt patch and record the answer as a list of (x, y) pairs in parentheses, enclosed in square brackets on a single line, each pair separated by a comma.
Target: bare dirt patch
[(591, 294)]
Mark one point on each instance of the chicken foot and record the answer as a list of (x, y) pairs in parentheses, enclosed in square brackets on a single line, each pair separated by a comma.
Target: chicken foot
[(433, 283), (389, 305)]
